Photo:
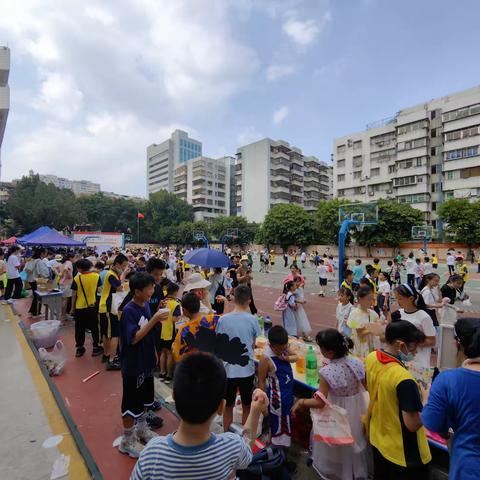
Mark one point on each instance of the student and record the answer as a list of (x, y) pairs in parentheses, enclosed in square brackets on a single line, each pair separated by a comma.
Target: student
[(344, 307), (240, 325), (463, 270), (434, 262), (376, 265), (372, 276), (431, 296), (395, 275), (383, 291), (138, 329), (193, 451), (360, 320), (14, 285), (412, 309), (342, 382), (418, 271), (288, 315), (348, 281), (427, 266), (141, 264), (36, 269), (304, 329), (322, 277), (109, 323), (167, 333), (398, 439), (84, 307), (450, 263), (194, 320), (3, 270), (357, 274), (453, 404), (410, 267), (275, 376)]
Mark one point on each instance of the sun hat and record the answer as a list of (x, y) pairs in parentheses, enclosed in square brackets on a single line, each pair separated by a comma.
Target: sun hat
[(244, 258), (196, 281), (58, 257)]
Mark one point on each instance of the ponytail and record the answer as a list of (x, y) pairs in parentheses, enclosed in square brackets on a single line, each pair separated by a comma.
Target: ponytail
[(334, 341), (288, 285), (406, 290)]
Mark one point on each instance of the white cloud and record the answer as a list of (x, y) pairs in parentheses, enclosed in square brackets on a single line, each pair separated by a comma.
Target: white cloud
[(275, 72), (305, 32), (280, 115), (248, 135)]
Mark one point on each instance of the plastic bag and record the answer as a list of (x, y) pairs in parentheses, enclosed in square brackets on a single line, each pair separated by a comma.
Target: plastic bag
[(467, 303), (117, 299), (448, 315), (55, 360), (45, 333), (330, 424)]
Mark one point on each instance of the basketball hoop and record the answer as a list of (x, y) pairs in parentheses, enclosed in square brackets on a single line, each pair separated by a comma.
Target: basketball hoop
[(198, 235), (360, 227)]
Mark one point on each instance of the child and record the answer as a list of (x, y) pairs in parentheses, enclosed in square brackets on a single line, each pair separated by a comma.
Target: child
[(288, 315), (418, 271), (275, 376), (344, 307), (84, 307), (322, 276), (167, 333), (376, 265), (303, 324), (383, 291), (357, 274), (138, 331), (3, 270), (463, 269), (348, 281), (427, 266), (189, 329), (360, 320), (342, 383), (450, 263), (410, 268), (192, 451), (434, 261), (240, 325)]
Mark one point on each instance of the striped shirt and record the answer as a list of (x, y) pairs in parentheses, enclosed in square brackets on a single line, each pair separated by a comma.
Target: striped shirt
[(216, 459)]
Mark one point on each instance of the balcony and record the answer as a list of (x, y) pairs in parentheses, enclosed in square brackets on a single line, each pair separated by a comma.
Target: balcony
[(296, 180)]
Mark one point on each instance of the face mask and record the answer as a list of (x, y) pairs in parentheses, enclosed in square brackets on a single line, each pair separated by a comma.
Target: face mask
[(406, 357)]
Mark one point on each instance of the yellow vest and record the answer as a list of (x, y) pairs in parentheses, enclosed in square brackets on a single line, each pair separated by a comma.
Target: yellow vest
[(385, 427), (168, 326), (106, 297), (346, 285), (89, 282)]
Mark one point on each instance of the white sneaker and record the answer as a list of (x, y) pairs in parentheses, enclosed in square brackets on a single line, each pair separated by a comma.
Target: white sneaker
[(145, 435), (132, 447)]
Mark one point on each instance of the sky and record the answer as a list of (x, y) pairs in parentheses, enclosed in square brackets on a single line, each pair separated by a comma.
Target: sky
[(94, 82)]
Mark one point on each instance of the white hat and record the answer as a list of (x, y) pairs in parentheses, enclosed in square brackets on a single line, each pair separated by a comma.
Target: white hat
[(58, 257), (196, 281)]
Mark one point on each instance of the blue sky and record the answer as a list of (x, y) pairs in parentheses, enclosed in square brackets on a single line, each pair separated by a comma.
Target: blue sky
[(93, 83)]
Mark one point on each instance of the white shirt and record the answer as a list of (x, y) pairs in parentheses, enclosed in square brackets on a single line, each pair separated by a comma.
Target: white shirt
[(303, 257), (427, 268), (424, 323), (410, 266), (431, 295), (12, 263), (342, 314), (322, 271), (450, 260), (384, 287)]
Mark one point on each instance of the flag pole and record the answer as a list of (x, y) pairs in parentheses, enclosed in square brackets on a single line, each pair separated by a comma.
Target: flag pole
[(138, 228)]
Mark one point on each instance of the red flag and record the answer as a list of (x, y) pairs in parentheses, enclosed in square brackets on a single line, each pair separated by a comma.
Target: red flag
[(140, 215)]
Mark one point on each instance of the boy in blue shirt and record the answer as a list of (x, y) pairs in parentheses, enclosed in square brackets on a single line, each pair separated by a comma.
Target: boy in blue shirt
[(138, 332), (357, 274)]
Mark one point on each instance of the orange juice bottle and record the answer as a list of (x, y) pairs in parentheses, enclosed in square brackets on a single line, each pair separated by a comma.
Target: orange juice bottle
[(300, 365)]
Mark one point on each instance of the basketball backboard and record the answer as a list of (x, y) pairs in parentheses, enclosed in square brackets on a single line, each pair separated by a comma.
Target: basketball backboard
[(232, 233), (366, 213), (422, 232), (198, 235)]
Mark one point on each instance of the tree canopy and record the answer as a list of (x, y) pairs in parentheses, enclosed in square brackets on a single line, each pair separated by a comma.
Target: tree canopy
[(462, 219), (326, 223)]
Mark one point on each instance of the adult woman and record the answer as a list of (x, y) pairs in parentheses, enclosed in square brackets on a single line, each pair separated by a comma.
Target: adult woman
[(36, 268), (14, 286), (412, 309), (66, 279), (398, 439), (294, 273), (453, 404)]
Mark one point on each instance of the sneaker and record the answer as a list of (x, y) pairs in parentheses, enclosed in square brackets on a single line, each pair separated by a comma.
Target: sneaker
[(80, 352), (132, 448), (153, 421), (105, 358), (113, 365), (145, 435), (167, 380), (97, 351), (161, 376), (156, 405)]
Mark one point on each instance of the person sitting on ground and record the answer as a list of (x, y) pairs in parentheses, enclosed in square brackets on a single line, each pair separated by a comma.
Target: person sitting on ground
[(242, 326), (193, 451)]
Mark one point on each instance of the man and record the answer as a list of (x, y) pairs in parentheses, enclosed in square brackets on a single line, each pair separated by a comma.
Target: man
[(198, 286), (245, 276)]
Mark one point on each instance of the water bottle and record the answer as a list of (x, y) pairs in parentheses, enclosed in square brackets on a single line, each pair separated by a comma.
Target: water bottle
[(261, 324), (311, 367), (267, 324), (301, 361)]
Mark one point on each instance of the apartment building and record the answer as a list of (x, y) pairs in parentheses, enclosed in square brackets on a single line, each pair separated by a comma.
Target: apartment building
[(423, 155), (78, 187), (165, 157), (205, 183), (270, 172), (4, 94)]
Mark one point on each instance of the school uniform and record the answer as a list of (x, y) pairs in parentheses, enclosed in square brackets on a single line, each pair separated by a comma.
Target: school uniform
[(109, 323)]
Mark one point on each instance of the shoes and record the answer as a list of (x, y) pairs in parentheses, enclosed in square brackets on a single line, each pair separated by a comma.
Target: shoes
[(132, 448), (167, 380), (68, 317), (145, 435), (80, 352), (11, 301), (97, 351), (105, 358), (113, 365), (161, 376), (155, 406), (153, 421)]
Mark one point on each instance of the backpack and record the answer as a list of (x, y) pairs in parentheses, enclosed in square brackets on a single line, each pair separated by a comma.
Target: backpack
[(267, 464), (281, 303), (221, 289)]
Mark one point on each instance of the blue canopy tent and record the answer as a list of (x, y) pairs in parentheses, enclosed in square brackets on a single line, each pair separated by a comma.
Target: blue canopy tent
[(52, 239), (36, 233)]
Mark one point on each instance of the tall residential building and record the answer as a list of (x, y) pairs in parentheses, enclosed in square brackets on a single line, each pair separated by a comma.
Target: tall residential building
[(78, 187), (4, 94), (270, 172), (423, 155), (205, 183), (163, 158)]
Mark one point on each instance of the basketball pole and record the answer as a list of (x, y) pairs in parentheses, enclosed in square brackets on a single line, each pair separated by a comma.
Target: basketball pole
[(425, 241), (342, 237)]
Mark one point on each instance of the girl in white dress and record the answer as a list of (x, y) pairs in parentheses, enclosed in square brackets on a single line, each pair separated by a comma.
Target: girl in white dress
[(344, 307), (342, 382), (303, 324)]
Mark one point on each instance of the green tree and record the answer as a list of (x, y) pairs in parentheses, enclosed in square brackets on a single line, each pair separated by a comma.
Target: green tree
[(286, 225), (246, 231), (326, 224), (395, 222), (34, 203), (462, 219)]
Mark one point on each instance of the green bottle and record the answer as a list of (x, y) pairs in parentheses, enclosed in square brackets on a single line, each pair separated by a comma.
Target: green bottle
[(261, 324), (311, 371)]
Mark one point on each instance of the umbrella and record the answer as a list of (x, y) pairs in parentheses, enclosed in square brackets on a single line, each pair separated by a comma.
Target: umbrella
[(206, 257)]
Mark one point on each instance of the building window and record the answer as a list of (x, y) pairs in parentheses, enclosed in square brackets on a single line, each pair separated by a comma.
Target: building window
[(433, 114), (461, 113), (391, 169), (411, 127), (357, 161), (434, 206), (449, 195), (341, 163), (418, 143), (463, 133), (357, 145), (434, 169), (341, 193), (433, 151), (461, 153), (374, 172), (341, 149), (434, 187), (357, 175), (419, 161), (341, 177), (404, 181), (433, 132)]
